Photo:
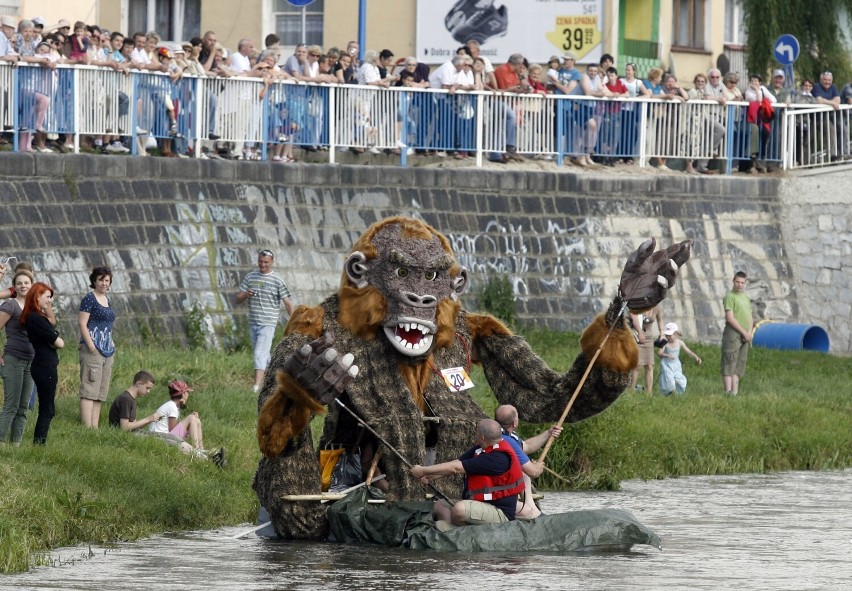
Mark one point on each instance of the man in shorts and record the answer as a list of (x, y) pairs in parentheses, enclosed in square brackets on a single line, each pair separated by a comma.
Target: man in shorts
[(265, 292), (736, 337), (493, 480)]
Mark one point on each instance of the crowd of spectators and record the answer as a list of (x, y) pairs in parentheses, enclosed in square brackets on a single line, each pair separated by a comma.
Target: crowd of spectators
[(592, 132)]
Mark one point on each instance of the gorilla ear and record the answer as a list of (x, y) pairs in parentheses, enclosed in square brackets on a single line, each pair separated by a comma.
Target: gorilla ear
[(459, 284), (356, 269)]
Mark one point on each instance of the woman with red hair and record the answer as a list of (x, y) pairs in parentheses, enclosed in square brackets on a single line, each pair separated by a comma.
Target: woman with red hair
[(45, 341)]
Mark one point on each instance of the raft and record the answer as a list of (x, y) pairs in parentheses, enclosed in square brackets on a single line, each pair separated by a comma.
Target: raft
[(357, 520)]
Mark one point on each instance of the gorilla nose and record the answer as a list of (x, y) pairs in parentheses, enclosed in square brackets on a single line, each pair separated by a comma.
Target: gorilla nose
[(419, 301)]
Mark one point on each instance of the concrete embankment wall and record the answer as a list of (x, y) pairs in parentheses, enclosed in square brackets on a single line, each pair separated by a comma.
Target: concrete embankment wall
[(181, 233)]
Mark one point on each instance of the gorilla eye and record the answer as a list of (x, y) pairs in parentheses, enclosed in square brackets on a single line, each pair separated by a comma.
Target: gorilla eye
[(430, 275), (402, 272)]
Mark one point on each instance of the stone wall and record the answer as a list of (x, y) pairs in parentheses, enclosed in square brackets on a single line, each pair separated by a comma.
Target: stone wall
[(181, 233)]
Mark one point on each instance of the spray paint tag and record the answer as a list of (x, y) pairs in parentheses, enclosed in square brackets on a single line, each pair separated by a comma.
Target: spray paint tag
[(456, 379)]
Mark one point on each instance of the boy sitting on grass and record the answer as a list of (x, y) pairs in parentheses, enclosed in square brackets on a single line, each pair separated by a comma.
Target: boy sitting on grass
[(122, 413)]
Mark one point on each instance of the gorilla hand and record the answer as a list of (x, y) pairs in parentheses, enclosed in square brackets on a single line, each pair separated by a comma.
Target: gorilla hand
[(320, 370), (648, 275)]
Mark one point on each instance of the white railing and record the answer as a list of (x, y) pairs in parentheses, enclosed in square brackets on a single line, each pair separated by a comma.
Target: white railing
[(90, 101)]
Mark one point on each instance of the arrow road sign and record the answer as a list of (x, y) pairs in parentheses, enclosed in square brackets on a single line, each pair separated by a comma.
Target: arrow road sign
[(786, 49)]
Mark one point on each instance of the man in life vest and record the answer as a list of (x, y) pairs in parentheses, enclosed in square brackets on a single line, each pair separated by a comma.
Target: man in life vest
[(493, 479), (507, 416)]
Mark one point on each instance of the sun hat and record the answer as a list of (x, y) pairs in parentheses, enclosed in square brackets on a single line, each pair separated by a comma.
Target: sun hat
[(671, 328), (178, 48), (570, 55), (62, 24), (178, 388), (38, 21), (8, 21)]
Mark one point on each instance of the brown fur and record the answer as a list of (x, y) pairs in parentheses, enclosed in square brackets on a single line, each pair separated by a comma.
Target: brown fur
[(619, 354), (306, 321), (445, 317), (284, 415), (482, 326), (362, 310), (416, 378)]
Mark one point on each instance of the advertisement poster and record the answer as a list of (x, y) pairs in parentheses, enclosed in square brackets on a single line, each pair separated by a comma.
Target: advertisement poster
[(535, 28)]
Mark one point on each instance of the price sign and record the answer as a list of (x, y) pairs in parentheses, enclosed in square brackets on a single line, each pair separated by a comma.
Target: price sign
[(578, 33)]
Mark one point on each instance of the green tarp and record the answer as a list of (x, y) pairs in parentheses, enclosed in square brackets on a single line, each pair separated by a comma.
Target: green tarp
[(354, 520)]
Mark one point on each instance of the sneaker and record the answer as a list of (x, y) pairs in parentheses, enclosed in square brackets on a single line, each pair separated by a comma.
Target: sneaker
[(375, 150), (218, 457), (212, 137), (141, 131), (117, 148), (409, 152), (400, 144)]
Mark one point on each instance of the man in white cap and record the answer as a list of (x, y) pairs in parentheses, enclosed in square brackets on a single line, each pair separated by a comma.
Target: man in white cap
[(7, 52), (38, 25), (777, 88)]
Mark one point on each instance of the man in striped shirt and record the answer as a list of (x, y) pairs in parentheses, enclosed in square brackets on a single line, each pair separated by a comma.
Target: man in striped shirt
[(265, 292)]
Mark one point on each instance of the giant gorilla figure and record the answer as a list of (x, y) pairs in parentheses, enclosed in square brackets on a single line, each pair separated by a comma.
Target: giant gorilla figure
[(397, 313)]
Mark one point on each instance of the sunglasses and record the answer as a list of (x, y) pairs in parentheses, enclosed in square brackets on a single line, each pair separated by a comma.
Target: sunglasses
[(265, 253)]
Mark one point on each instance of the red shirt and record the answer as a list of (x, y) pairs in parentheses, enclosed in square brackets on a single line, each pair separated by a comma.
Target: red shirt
[(506, 77)]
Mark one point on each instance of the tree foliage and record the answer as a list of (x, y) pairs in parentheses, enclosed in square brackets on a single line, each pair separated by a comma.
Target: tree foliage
[(818, 25)]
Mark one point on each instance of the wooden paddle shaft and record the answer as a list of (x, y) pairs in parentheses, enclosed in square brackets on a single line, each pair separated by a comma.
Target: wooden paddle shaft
[(586, 373)]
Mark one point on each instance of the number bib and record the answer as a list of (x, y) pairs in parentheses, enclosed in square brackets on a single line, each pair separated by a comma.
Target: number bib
[(456, 379)]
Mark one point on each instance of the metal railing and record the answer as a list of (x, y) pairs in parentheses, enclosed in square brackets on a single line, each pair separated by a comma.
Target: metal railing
[(254, 115)]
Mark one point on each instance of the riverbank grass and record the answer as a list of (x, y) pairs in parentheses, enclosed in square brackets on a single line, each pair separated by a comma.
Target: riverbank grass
[(102, 486)]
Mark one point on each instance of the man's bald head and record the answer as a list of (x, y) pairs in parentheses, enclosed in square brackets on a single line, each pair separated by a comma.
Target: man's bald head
[(490, 430), (506, 415)]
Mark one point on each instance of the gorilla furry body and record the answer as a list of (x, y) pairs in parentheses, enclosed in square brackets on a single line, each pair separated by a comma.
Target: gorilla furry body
[(393, 391)]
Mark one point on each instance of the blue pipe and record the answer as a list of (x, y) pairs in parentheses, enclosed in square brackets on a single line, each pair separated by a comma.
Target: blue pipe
[(791, 337), (362, 28)]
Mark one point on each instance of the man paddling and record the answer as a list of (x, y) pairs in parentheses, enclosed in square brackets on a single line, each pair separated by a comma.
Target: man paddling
[(507, 416), (493, 479)]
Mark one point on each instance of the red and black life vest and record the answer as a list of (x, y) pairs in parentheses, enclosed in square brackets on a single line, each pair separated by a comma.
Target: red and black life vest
[(482, 487)]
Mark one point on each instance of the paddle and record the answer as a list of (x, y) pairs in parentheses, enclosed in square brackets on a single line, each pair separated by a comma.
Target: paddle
[(390, 447), (551, 439)]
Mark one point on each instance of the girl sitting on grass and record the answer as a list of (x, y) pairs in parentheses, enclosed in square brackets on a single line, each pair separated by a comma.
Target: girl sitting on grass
[(671, 372)]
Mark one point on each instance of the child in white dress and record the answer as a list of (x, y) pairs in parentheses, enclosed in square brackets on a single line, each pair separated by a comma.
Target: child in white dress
[(671, 371)]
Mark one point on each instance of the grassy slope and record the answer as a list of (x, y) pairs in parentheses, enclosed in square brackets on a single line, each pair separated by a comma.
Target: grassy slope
[(101, 486)]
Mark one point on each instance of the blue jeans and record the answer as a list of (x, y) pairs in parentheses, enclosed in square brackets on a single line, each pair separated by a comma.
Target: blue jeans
[(18, 384), (261, 341)]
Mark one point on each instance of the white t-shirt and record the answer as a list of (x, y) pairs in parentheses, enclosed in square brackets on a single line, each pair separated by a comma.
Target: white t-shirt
[(368, 73), (445, 75), (140, 57), (464, 78), (169, 409), (240, 64)]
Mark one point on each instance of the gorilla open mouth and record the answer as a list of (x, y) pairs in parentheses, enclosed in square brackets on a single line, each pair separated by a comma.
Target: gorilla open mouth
[(410, 338)]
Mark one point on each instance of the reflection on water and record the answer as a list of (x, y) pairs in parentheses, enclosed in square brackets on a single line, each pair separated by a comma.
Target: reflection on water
[(778, 531)]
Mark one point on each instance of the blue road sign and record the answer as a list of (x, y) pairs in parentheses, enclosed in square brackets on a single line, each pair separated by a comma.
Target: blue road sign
[(786, 49), (299, 2)]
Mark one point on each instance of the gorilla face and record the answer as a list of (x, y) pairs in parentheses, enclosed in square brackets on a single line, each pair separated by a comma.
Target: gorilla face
[(414, 275)]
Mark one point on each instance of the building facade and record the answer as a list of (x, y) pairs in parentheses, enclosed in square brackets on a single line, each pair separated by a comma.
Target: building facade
[(684, 36)]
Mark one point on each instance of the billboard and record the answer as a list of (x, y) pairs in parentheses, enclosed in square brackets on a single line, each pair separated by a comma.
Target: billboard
[(535, 28)]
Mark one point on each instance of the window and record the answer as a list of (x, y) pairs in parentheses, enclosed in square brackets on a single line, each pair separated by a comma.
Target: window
[(689, 18), (176, 20), (298, 24), (734, 23)]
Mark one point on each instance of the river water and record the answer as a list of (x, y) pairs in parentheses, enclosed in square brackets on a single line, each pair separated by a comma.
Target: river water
[(789, 530)]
